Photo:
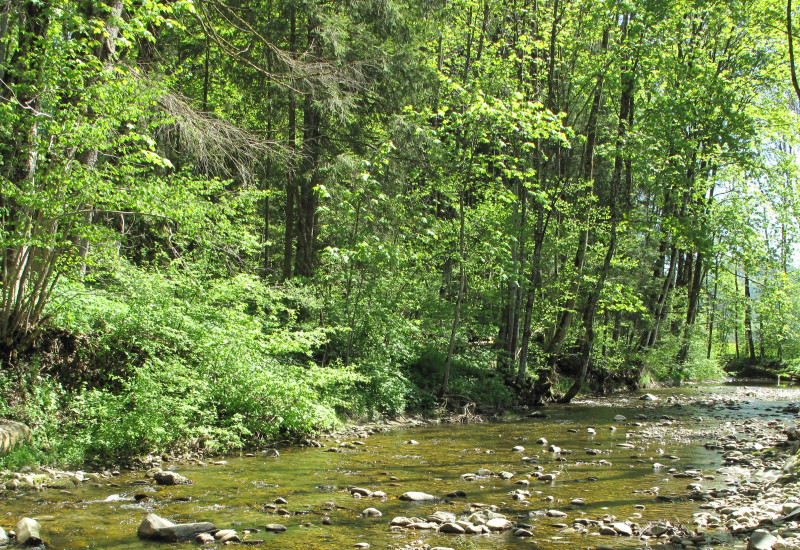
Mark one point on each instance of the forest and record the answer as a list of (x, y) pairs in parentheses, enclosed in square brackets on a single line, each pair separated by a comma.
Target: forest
[(226, 222)]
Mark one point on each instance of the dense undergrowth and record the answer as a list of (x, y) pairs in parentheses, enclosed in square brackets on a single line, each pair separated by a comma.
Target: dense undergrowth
[(155, 361), (152, 360)]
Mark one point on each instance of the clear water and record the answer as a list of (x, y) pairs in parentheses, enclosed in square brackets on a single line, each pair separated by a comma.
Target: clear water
[(233, 495)]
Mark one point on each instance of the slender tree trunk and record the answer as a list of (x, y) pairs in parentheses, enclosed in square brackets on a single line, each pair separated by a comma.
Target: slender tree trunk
[(693, 306), (533, 290), (589, 314), (291, 185), (470, 34), (590, 310), (22, 264), (206, 75), (736, 309), (712, 312), (462, 285), (305, 259), (748, 318), (568, 309), (792, 65), (662, 304), (5, 11)]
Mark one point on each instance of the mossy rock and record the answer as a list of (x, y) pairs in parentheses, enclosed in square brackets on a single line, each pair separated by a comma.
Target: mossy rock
[(13, 433)]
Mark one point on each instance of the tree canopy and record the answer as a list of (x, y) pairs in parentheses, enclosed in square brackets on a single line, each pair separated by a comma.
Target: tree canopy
[(283, 212)]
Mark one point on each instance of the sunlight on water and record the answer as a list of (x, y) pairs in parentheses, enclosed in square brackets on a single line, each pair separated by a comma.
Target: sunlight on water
[(614, 470)]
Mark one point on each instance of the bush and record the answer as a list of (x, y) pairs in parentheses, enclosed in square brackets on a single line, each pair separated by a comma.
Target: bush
[(661, 363), (218, 366), (470, 377)]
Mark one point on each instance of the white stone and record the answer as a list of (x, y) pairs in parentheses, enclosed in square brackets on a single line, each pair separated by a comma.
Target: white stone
[(28, 532), (499, 524), (761, 539)]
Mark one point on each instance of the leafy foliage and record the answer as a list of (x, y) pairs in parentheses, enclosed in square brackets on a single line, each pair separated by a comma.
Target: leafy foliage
[(233, 222)]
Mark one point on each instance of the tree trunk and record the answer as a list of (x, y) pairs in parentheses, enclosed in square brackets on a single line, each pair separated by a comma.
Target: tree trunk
[(587, 172), (748, 320), (462, 284), (736, 309), (291, 185), (312, 151), (711, 314), (792, 65), (26, 268), (590, 310)]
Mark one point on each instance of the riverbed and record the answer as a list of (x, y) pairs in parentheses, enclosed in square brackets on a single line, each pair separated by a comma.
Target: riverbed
[(558, 475)]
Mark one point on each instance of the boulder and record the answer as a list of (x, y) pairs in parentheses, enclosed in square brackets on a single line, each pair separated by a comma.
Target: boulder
[(422, 525), (275, 527), (360, 491), (170, 478), (451, 528), (648, 397), (13, 433), (371, 513), (3, 537), (442, 517), (28, 532), (620, 418), (416, 496), (154, 527), (761, 539), (499, 524), (225, 536), (622, 528)]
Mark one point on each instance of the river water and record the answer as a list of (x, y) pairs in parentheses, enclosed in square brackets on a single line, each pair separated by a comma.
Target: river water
[(613, 480)]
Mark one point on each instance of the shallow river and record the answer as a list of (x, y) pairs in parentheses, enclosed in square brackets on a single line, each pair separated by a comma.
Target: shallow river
[(233, 495)]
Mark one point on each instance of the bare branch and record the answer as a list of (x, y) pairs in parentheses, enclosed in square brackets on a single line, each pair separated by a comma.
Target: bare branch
[(218, 147)]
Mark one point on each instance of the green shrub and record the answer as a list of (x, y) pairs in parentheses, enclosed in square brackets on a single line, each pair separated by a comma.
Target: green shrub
[(470, 376), (217, 366), (661, 363)]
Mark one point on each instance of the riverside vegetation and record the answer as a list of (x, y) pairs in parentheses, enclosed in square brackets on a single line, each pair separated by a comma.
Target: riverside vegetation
[(229, 223)]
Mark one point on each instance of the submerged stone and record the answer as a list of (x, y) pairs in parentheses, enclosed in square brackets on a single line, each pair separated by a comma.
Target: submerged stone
[(154, 527), (417, 496)]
